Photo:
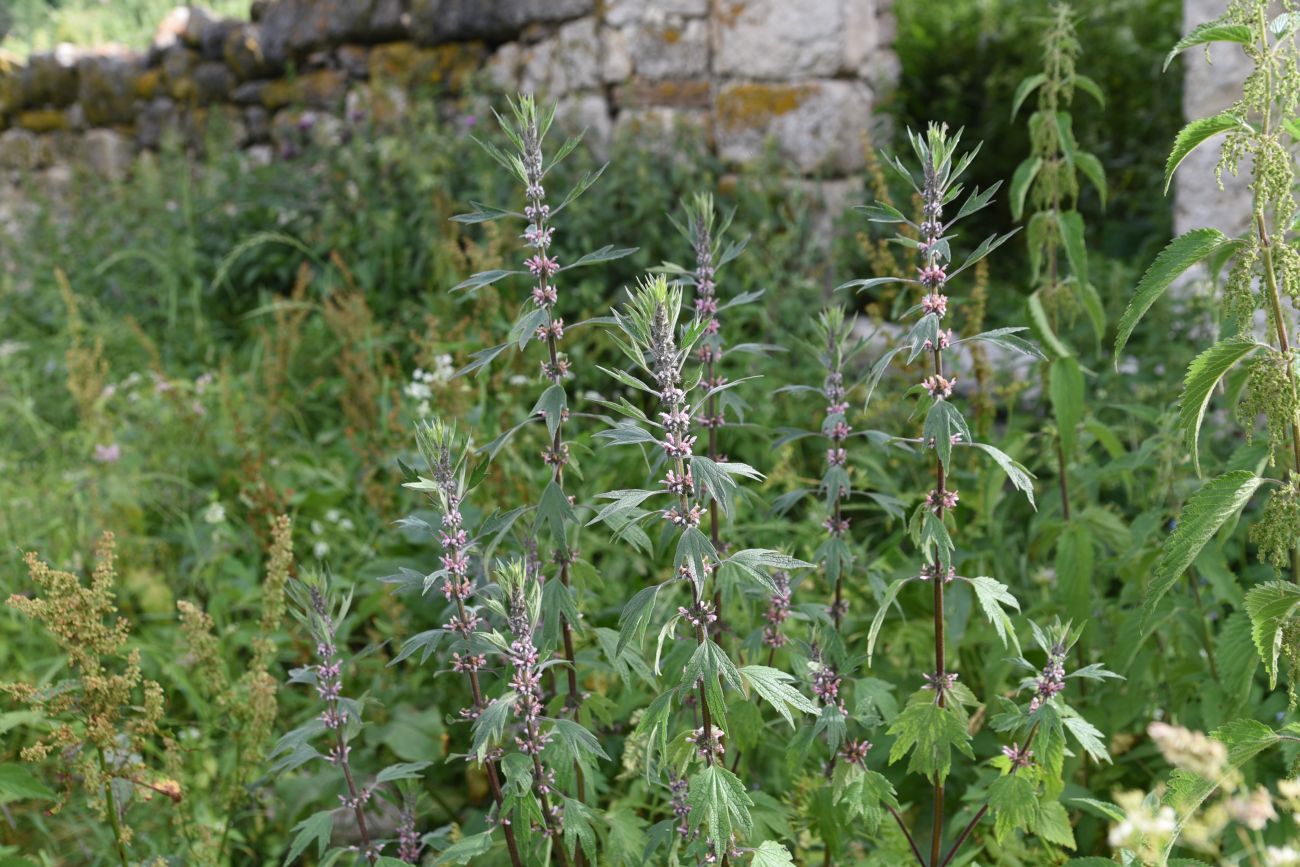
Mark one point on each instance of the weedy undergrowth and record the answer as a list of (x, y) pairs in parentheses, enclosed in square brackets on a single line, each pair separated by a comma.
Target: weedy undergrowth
[(936, 721), (106, 713), (1256, 328)]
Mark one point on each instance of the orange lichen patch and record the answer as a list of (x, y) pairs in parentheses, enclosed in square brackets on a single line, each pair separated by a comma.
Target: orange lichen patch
[(671, 35), (43, 120), (322, 89), (749, 105), (147, 83), (406, 65), (729, 13), (673, 94)]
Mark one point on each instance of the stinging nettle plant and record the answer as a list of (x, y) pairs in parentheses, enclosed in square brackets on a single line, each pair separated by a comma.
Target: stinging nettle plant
[(936, 720), (1047, 184), (1257, 327)]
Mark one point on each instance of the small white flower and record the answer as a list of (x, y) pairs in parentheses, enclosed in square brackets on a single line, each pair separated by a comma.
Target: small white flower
[(346, 524), (518, 379), (321, 549), (333, 516), (317, 528), (215, 513)]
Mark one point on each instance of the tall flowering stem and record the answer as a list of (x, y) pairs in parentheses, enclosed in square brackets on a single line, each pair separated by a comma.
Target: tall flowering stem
[(522, 605), (526, 128), (935, 721), (445, 455), (316, 609), (711, 803), (836, 348), (704, 231), (542, 266)]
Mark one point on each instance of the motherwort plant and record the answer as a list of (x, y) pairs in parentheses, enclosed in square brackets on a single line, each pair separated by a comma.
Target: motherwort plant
[(539, 320), (322, 611), (705, 232), (446, 459), (710, 805), (936, 720)]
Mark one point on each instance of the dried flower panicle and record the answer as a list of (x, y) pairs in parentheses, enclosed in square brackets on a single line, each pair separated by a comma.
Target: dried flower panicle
[(105, 713)]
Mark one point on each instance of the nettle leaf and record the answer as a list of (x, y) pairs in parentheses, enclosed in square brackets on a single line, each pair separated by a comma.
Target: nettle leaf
[(1027, 86), (1197, 133), (882, 611), (1043, 326), (774, 686), (1093, 171), (465, 850), (1076, 249), (317, 829), (1074, 564), (930, 733), (1203, 374), (1013, 800), (1207, 511), (942, 422), (1212, 31), (1270, 607), (993, 596), (719, 805), (771, 854), (551, 406), (1021, 479), (1178, 255), (1065, 388), (1237, 656), (1020, 183), (1090, 87)]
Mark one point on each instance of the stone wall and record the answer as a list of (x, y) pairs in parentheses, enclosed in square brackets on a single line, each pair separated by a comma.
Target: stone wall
[(803, 74), (1207, 90)]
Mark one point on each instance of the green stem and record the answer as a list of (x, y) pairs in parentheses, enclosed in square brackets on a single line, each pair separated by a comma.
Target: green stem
[(110, 801)]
